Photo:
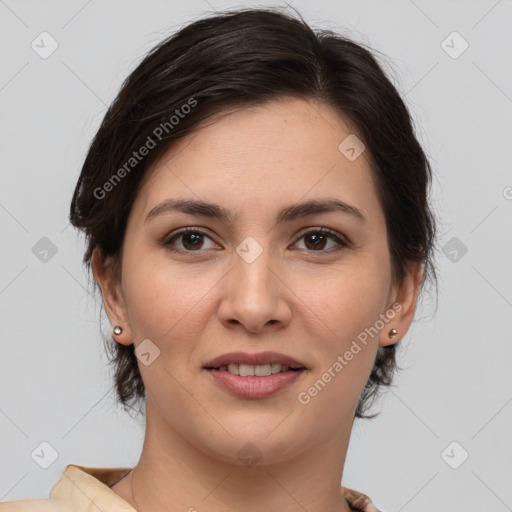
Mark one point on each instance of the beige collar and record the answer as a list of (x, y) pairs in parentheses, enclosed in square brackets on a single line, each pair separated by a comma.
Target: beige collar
[(88, 489)]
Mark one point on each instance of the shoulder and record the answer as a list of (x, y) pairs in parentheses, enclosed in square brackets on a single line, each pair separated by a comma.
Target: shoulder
[(79, 489)]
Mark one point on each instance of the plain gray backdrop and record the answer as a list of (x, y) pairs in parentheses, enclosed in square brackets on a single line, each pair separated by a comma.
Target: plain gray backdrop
[(441, 441)]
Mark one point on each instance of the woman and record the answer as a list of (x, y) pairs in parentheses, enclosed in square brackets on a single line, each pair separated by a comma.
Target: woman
[(255, 207)]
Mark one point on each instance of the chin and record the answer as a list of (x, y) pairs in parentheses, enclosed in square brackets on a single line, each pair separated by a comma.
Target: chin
[(256, 441)]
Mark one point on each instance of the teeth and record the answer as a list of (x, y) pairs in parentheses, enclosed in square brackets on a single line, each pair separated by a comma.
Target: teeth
[(262, 370), (276, 367), (259, 370), (246, 370), (233, 368)]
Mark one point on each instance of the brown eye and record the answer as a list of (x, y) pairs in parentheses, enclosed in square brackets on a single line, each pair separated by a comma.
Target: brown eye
[(192, 240), (316, 240)]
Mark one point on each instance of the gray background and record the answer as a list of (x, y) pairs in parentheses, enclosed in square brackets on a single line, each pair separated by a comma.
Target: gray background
[(55, 384)]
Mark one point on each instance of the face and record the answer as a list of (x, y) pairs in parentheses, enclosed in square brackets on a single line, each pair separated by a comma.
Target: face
[(266, 282)]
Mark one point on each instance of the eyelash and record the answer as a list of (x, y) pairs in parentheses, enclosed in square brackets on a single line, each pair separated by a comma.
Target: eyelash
[(322, 231)]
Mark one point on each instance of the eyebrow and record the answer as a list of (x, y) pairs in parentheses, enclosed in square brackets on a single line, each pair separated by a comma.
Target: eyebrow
[(286, 214)]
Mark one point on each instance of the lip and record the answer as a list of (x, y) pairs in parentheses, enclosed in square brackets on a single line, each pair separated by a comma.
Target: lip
[(267, 357), (254, 387)]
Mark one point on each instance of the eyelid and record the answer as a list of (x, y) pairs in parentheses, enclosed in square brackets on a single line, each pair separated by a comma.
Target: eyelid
[(326, 231)]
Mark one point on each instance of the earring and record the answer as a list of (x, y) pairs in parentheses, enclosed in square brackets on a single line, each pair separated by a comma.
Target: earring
[(118, 329), (392, 333)]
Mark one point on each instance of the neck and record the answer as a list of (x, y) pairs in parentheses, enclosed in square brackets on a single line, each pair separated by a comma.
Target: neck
[(173, 473)]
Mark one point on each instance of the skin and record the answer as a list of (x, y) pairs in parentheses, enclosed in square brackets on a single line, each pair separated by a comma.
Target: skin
[(304, 302)]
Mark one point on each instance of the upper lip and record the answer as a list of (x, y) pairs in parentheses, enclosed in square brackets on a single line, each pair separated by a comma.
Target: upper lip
[(253, 359)]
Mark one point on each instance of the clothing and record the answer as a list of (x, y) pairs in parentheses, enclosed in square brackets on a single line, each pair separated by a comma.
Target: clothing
[(87, 489)]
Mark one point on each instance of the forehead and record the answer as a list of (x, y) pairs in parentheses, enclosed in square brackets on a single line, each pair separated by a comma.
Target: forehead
[(276, 153)]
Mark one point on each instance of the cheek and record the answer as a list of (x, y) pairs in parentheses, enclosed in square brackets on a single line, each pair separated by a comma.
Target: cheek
[(164, 299), (346, 301), (167, 305), (345, 310)]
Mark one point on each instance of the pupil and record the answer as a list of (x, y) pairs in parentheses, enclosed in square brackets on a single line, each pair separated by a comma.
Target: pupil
[(196, 240), (319, 239)]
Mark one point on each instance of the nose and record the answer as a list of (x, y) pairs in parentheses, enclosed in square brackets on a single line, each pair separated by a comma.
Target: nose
[(255, 295)]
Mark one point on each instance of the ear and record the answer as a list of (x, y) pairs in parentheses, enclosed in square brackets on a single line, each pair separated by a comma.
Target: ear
[(113, 299), (402, 302)]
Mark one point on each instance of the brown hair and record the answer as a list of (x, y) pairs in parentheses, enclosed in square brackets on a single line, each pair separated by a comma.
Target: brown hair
[(228, 61)]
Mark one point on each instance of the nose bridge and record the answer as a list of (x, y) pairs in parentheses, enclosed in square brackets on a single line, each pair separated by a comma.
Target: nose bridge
[(252, 274), (253, 296)]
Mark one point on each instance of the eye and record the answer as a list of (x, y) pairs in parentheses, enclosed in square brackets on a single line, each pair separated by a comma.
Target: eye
[(316, 239), (192, 240)]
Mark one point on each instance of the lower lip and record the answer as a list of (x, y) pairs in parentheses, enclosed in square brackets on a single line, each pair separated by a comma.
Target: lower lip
[(255, 387)]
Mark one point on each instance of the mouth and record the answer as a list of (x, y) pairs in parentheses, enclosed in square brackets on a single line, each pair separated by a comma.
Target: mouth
[(227, 362), (254, 375), (259, 370)]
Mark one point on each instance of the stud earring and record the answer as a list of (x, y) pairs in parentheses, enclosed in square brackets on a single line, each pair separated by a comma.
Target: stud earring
[(118, 329), (392, 333)]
